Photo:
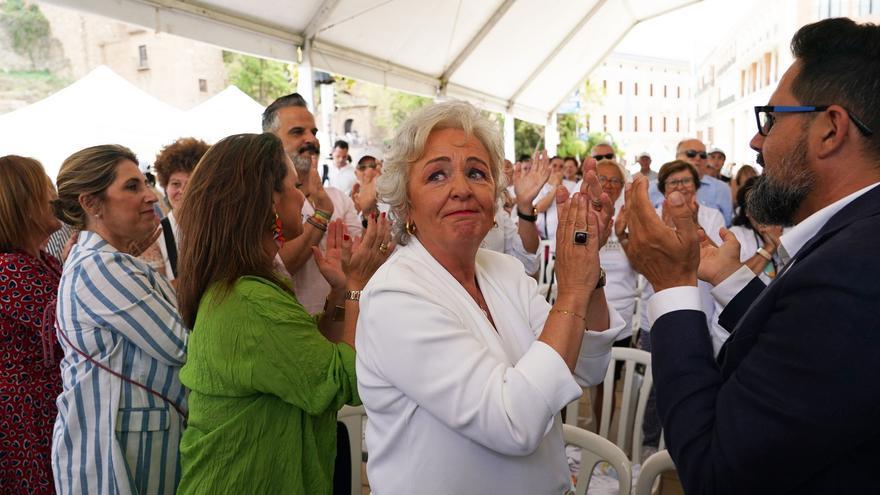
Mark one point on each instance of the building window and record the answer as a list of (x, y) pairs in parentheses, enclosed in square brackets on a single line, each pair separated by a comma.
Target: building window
[(678, 91), (867, 7), (636, 123), (651, 89), (620, 88), (636, 89), (348, 126), (677, 124), (664, 91), (143, 61), (203, 85), (605, 85), (605, 123), (620, 123), (650, 124), (828, 8)]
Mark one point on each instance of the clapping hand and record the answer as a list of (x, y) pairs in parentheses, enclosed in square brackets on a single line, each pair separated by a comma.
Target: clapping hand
[(718, 262), (599, 201), (527, 185), (667, 257), (349, 263)]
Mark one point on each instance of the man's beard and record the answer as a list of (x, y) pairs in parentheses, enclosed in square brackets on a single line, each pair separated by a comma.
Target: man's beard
[(772, 202)]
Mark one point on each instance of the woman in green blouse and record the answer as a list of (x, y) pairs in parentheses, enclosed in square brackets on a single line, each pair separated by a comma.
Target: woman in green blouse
[(265, 382)]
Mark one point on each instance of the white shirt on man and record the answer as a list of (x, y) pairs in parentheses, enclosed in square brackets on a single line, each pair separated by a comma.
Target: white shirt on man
[(342, 178)]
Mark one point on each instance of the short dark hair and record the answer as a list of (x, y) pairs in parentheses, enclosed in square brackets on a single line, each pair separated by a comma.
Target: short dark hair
[(340, 144), (270, 114), (524, 158), (570, 159), (557, 157), (741, 218), (840, 64), (672, 167)]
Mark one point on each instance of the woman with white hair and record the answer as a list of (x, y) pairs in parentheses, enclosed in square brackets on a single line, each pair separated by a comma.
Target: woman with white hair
[(462, 366)]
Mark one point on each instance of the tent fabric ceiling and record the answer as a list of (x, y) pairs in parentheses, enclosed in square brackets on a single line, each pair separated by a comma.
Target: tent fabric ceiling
[(519, 56)]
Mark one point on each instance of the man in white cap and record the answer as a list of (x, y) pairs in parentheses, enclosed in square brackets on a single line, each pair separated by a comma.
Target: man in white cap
[(714, 163), (644, 160)]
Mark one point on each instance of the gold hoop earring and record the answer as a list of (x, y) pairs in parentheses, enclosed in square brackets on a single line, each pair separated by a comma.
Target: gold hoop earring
[(410, 228)]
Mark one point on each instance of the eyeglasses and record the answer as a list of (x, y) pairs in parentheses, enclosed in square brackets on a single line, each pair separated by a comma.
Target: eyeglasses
[(607, 156), (765, 118), (364, 166), (686, 182), (694, 153), (614, 181)]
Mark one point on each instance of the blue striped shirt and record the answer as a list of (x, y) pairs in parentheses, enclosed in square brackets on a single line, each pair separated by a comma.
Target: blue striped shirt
[(112, 436)]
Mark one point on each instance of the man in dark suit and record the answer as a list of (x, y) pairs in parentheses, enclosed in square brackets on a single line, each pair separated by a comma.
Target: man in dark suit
[(792, 405)]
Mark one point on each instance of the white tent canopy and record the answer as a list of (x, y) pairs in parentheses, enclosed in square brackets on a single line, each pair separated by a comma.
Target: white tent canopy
[(100, 108), (522, 57), (228, 112)]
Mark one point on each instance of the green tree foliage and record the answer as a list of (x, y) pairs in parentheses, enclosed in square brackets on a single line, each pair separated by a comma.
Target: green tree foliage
[(526, 136), (574, 136), (263, 80), (27, 27)]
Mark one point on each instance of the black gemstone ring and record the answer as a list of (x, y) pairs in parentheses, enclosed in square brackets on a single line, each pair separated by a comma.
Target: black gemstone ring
[(580, 237)]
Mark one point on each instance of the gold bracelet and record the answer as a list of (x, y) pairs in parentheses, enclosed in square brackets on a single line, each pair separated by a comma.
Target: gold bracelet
[(567, 313)]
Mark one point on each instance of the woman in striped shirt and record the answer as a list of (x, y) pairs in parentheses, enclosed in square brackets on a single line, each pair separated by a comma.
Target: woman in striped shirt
[(122, 410)]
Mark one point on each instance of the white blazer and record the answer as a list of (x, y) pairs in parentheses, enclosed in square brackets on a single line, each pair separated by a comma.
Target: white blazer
[(452, 405)]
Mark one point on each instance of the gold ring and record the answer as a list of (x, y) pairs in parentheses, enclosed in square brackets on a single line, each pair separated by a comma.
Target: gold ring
[(597, 204), (383, 248)]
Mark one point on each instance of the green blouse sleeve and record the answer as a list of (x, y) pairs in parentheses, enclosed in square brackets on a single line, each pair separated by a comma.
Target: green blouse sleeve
[(293, 360)]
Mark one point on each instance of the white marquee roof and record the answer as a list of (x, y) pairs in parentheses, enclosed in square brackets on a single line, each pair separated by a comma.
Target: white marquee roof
[(521, 56)]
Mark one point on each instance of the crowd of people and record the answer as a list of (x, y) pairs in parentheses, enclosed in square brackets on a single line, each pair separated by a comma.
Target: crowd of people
[(202, 341)]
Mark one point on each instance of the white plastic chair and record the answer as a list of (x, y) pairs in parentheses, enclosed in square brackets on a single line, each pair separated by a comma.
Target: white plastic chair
[(353, 419), (653, 466), (595, 449), (632, 408)]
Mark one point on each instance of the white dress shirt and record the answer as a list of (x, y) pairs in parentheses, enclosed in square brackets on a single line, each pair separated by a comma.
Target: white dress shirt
[(454, 405), (504, 237), (342, 178), (678, 298)]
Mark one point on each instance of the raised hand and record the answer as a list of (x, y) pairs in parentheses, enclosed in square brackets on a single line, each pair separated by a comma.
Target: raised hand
[(527, 185), (369, 252), (667, 257), (718, 262), (317, 195), (577, 263), (600, 202), (336, 253)]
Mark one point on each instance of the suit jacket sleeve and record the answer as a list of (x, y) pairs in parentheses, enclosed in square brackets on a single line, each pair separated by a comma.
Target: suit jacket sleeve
[(798, 398)]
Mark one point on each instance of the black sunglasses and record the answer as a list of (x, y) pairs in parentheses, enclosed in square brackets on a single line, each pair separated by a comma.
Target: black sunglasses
[(364, 166), (694, 153), (607, 156), (765, 119)]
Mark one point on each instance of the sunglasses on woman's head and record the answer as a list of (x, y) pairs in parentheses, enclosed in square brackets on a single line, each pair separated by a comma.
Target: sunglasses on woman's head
[(364, 166)]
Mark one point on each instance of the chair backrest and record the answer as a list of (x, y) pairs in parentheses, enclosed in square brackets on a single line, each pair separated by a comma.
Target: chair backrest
[(545, 262), (651, 469), (595, 449), (353, 419), (634, 400)]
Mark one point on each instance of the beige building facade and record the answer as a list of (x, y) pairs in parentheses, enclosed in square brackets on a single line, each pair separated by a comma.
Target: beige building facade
[(744, 69), (176, 70)]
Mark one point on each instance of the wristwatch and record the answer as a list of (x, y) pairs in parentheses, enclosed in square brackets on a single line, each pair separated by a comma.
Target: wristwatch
[(601, 282), (352, 295), (528, 218)]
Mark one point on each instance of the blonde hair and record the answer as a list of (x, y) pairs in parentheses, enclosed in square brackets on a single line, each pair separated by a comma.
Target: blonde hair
[(24, 188), (88, 171), (409, 145), (624, 174)]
